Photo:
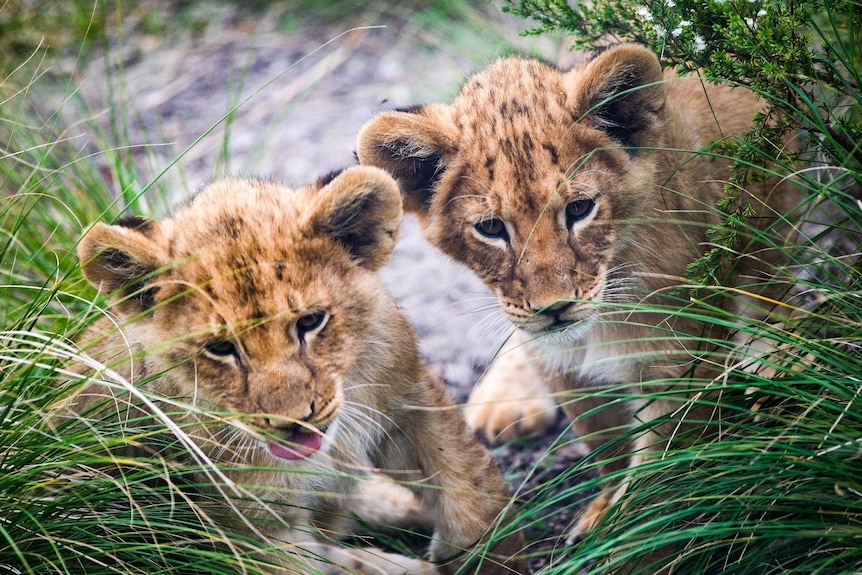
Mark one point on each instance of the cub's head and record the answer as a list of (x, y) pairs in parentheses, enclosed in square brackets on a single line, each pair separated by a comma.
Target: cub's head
[(532, 176), (255, 298)]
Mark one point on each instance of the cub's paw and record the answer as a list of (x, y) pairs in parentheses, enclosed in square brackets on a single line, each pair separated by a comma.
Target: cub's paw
[(593, 514), (590, 518), (380, 500), (512, 399)]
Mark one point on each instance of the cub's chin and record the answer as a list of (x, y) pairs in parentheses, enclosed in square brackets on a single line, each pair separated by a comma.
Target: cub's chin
[(559, 336)]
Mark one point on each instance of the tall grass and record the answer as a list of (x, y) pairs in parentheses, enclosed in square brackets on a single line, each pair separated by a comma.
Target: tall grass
[(66, 504)]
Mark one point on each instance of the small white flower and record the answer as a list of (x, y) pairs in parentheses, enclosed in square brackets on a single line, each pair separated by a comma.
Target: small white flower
[(750, 23), (670, 3), (699, 44), (660, 30), (761, 12), (678, 30), (644, 13)]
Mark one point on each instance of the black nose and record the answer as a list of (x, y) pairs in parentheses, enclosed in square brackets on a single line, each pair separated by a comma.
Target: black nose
[(554, 310)]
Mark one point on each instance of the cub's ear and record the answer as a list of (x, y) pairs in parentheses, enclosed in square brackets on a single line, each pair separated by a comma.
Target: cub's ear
[(117, 259), (361, 210), (413, 146), (622, 92)]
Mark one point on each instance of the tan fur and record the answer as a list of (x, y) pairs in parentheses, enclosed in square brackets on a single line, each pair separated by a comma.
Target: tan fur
[(264, 302), (568, 192)]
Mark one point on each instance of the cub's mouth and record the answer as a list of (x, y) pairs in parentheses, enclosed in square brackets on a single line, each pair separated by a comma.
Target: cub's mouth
[(300, 443), (558, 331)]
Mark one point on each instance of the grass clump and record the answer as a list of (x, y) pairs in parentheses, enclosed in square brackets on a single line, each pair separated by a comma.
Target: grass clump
[(69, 503)]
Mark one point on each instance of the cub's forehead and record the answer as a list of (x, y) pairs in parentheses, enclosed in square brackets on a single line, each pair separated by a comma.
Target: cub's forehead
[(249, 237), (264, 276), (233, 214), (512, 87), (256, 290)]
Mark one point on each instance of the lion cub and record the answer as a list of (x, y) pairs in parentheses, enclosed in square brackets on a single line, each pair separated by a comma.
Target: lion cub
[(263, 302), (577, 196)]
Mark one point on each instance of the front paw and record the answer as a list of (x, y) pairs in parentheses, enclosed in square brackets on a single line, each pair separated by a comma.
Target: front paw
[(589, 519), (512, 399)]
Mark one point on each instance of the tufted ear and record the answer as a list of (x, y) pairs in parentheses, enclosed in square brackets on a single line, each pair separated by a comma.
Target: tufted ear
[(622, 93), (360, 209), (117, 259), (413, 146)]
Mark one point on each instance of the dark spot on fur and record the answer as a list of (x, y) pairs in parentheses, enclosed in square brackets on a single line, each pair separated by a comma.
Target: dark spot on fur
[(147, 297), (511, 108), (231, 225), (553, 152), (489, 165), (258, 316), (119, 260), (234, 261), (245, 285), (136, 223), (509, 148), (207, 289), (414, 109), (327, 178)]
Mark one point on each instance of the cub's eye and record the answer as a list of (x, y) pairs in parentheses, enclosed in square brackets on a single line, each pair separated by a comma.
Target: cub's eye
[(222, 348), (310, 322), (578, 210), (493, 229)]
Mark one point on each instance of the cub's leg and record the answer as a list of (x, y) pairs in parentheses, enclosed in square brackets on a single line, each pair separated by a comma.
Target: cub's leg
[(601, 427), (513, 398), (457, 480)]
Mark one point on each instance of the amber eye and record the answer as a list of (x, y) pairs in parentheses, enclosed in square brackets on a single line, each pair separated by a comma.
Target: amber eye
[(309, 322), (222, 348), (578, 210), (493, 229)]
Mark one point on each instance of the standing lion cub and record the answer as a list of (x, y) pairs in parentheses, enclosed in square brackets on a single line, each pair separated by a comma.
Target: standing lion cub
[(264, 303), (580, 198)]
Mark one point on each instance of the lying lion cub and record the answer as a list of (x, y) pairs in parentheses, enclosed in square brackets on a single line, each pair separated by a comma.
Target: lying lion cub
[(264, 302), (579, 197)]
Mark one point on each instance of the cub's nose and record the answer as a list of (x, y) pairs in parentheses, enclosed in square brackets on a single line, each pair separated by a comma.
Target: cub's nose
[(287, 422), (555, 310)]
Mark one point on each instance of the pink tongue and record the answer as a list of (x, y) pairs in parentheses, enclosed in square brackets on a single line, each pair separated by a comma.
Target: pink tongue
[(302, 444)]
